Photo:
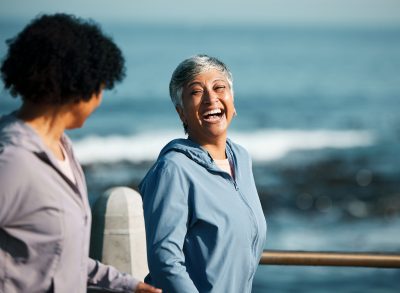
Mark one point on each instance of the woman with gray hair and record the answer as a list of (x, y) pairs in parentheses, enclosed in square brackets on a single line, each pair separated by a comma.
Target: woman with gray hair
[(204, 222)]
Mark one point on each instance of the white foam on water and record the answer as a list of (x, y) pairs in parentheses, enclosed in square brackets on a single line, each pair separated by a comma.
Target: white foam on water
[(267, 145), (136, 148), (263, 145)]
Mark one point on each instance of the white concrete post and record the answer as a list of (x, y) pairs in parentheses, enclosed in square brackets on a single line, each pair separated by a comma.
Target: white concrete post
[(124, 238)]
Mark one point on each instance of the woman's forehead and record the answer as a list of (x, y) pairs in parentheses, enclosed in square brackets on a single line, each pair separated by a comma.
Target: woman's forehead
[(209, 75)]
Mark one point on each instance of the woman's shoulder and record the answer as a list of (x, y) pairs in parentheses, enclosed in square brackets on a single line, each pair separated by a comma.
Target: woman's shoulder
[(174, 159), (167, 168), (170, 162), (14, 156), (16, 162)]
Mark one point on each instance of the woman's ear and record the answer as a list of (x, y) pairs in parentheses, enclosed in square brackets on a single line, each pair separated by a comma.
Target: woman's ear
[(183, 118), (179, 110)]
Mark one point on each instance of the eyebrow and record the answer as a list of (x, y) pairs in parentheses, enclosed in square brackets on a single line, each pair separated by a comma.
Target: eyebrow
[(194, 83), (199, 83)]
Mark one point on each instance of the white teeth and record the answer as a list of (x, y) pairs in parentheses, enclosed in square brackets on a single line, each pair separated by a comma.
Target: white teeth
[(212, 112)]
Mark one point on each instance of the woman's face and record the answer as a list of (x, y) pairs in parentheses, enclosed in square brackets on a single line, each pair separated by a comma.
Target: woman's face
[(207, 107), (82, 110)]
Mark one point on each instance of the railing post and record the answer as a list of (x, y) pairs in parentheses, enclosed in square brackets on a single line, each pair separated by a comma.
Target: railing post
[(118, 232)]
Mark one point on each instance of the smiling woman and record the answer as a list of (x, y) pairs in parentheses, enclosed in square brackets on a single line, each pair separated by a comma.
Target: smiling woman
[(204, 223)]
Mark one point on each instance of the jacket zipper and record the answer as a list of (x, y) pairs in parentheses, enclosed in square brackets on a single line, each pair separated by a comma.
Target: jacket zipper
[(253, 216)]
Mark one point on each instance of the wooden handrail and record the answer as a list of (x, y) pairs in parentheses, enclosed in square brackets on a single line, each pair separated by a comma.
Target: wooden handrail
[(319, 258)]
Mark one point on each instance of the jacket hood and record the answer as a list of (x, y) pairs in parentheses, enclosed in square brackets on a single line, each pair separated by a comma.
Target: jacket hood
[(14, 131), (193, 151)]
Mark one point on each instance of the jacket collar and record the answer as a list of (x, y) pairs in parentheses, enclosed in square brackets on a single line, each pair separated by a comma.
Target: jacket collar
[(196, 153)]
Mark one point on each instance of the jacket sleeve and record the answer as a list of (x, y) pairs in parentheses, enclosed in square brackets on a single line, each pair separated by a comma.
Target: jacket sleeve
[(165, 204), (108, 277)]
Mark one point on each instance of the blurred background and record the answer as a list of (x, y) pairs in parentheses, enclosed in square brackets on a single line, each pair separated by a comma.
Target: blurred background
[(317, 89)]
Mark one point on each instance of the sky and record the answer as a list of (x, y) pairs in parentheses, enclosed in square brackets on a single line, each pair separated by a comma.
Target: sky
[(314, 12)]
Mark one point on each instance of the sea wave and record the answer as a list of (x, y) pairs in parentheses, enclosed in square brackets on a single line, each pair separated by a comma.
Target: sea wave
[(263, 145)]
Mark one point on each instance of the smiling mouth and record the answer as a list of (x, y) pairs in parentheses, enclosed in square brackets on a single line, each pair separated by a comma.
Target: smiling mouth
[(213, 115)]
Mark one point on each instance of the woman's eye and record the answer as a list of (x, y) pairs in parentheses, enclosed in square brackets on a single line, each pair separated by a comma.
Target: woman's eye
[(220, 88), (196, 92)]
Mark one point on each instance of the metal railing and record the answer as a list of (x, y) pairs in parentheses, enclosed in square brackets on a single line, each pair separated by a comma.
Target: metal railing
[(314, 258)]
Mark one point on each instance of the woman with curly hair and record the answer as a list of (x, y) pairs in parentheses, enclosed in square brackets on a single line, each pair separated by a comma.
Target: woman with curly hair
[(59, 65)]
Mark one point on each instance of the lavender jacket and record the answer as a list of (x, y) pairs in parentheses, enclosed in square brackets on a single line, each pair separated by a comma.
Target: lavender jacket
[(45, 220)]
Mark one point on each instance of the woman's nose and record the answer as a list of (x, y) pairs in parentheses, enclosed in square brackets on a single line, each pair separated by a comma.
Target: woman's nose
[(210, 97)]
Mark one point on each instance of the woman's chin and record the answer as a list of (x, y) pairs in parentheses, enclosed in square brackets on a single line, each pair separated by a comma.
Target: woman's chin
[(216, 131)]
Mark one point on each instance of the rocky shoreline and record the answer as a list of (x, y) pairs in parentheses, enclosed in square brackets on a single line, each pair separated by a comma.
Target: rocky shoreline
[(351, 188)]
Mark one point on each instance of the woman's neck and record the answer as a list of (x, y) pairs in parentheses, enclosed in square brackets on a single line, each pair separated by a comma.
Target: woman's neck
[(48, 121), (215, 147)]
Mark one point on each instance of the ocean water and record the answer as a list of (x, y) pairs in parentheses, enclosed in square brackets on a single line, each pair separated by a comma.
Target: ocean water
[(318, 110)]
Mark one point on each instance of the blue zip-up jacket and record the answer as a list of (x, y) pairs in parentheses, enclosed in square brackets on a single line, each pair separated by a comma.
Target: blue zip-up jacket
[(205, 230)]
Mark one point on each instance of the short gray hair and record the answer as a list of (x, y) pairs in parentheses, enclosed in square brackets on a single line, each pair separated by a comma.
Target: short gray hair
[(187, 71)]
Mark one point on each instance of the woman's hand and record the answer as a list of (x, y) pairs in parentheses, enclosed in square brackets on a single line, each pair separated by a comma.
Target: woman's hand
[(146, 288)]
